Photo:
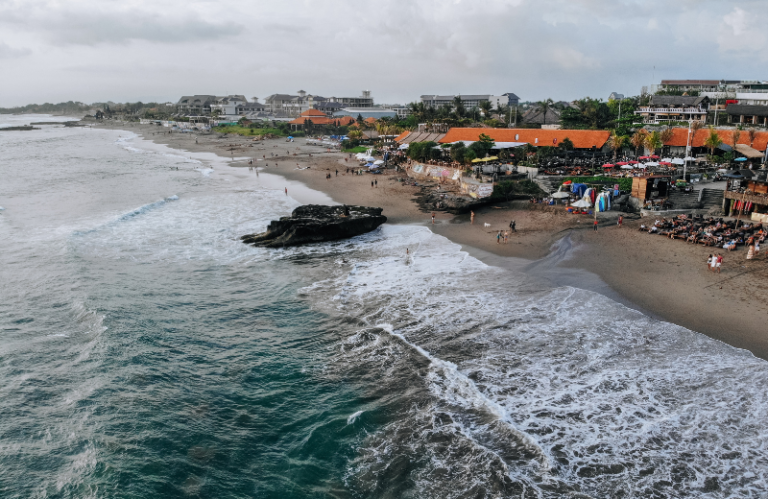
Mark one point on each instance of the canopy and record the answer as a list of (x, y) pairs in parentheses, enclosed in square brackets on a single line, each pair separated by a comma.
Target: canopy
[(369, 158), (290, 136), (482, 160), (403, 146), (582, 203), (740, 159), (678, 161), (748, 151), (560, 195), (379, 162), (689, 158)]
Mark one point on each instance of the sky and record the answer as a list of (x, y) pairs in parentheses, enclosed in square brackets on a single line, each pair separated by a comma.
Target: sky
[(158, 50)]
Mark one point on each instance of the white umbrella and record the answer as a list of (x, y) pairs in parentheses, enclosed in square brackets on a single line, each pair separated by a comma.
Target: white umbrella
[(650, 163), (678, 161), (559, 195), (667, 160), (369, 158), (379, 162), (689, 158), (627, 167)]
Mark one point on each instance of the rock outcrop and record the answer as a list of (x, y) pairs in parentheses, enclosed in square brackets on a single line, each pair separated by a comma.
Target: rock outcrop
[(314, 223)]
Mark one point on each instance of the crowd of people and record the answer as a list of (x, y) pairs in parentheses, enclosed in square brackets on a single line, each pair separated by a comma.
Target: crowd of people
[(716, 233)]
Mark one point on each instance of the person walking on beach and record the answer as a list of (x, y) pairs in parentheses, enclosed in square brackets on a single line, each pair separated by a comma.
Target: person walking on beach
[(472, 217), (498, 237), (621, 221), (337, 172), (506, 236), (371, 184), (594, 225), (376, 182), (512, 226), (433, 218), (286, 191), (719, 262)]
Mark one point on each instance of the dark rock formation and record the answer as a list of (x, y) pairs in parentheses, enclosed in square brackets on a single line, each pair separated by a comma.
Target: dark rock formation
[(314, 223)]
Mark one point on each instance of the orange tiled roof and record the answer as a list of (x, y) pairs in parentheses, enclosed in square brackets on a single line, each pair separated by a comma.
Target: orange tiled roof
[(343, 121), (402, 136), (582, 139), (680, 138), (370, 119), (313, 112)]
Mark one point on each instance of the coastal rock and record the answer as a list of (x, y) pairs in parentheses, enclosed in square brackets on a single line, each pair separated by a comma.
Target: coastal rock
[(314, 223)]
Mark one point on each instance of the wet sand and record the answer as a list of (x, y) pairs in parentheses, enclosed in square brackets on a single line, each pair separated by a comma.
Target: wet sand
[(661, 277)]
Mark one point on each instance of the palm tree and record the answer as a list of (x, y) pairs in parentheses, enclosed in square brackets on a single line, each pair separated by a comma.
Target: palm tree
[(653, 142), (638, 139), (543, 107), (485, 107), (355, 134), (458, 104), (713, 140), (752, 135), (616, 143)]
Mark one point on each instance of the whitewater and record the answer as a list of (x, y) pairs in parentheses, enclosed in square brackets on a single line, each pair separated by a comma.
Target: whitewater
[(147, 352)]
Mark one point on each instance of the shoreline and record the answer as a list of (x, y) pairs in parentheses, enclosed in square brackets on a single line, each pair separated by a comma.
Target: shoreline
[(663, 279)]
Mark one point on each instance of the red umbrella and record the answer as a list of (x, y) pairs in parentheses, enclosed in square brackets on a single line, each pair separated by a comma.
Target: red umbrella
[(622, 163), (632, 162), (665, 163), (643, 157), (567, 182), (654, 157), (608, 165)]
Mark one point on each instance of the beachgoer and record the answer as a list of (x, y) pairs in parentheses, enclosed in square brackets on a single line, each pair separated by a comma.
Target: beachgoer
[(498, 237), (621, 220), (512, 226), (506, 236), (719, 262), (337, 172), (472, 216), (433, 218), (594, 225), (376, 182), (371, 184), (710, 261), (286, 191)]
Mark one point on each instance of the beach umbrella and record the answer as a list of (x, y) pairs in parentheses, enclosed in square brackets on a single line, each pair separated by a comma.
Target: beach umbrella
[(643, 157), (608, 165), (650, 163), (632, 162), (622, 163), (379, 162), (668, 160), (370, 159), (582, 203), (653, 156), (560, 195), (678, 161), (689, 158), (665, 163), (567, 182), (626, 167), (740, 159)]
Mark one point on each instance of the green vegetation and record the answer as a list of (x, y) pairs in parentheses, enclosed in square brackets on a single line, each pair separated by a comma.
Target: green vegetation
[(72, 108), (625, 184), (355, 149), (423, 151), (509, 189), (255, 130)]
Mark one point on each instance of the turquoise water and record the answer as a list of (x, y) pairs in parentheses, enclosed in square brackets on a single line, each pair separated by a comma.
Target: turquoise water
[(146, 352)]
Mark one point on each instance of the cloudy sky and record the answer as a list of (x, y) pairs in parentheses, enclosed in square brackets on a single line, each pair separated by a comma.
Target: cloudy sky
[(128, 50)]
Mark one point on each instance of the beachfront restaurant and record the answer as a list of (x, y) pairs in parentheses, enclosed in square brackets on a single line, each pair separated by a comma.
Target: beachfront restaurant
[(747, 197), (651, 191)]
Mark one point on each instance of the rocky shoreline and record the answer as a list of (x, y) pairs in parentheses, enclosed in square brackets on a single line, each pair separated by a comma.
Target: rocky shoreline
[(316, 223)]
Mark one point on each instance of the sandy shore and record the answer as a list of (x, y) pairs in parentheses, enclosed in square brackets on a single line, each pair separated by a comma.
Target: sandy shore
[(661, 277)]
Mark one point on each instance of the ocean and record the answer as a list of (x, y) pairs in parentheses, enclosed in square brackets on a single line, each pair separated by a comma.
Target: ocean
[(146, 352)]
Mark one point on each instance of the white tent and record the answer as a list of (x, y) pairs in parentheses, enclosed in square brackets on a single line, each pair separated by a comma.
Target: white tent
[(678, 161), (379, 162), (582, 203), (369, 158)]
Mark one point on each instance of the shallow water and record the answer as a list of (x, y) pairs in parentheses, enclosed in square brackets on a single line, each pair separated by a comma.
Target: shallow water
[(147, 352)]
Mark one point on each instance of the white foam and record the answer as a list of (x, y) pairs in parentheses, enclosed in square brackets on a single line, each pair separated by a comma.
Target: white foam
[(353, 417)]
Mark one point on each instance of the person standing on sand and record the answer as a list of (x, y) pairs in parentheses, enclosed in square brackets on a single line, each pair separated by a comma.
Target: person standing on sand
[(376, 182), (506, 236), (621, 220), (709, 263), (595, 225), (719, 262), (371, 184), (512, 226), (472, 217), (498, 237), (337, 172)]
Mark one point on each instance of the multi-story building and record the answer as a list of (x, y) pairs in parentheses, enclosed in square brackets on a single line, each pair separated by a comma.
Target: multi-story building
[(196, 105), (471, 101), (295, 105), (666, 108)]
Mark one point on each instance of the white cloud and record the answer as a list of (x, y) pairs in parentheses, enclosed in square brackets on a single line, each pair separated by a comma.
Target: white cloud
[(399, 49)]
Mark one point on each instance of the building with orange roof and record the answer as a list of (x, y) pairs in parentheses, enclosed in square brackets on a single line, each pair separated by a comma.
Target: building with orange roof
[(677, 144), (582, 139), (318, 118)]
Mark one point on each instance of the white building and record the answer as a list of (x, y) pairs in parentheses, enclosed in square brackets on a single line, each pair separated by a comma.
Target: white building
[(472, 100)]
